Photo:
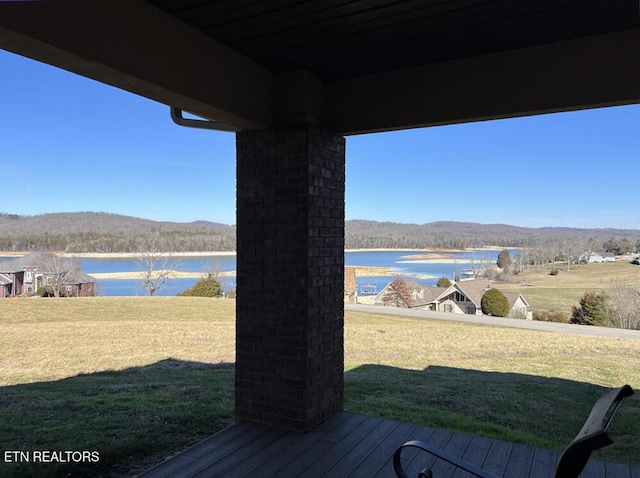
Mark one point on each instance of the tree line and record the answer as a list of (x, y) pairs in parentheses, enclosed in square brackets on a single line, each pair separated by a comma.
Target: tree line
[(88, 232), (104, 243), (361, 234)]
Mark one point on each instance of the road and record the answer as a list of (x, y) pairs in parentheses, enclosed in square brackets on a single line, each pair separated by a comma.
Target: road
[(500, 321)]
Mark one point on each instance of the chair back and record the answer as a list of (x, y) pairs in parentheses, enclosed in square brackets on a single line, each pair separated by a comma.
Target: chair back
[(593, 434)]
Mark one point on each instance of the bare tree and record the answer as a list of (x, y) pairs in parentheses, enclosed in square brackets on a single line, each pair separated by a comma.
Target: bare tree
[(156, 261), (522, 260), (54, 271), (571, 249), (213, 268), (397, 293), (549, 253), (480, 263), (624, 305)]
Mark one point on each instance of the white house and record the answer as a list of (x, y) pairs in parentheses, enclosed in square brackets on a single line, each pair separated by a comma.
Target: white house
[(597, 257)]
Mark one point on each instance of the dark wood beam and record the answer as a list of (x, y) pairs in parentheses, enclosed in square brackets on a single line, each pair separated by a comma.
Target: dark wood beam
[(571, 75), (132, 45)]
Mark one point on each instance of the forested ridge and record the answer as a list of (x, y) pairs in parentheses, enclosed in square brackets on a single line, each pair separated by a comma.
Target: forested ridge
[(459, 235), (106, 232)]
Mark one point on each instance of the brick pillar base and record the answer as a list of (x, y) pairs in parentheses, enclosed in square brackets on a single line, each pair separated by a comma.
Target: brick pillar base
[(290, 276)]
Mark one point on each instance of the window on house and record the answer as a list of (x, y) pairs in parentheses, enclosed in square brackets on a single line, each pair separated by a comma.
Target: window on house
[(68, 288), (28, 276), (457, 297), (49, 280)]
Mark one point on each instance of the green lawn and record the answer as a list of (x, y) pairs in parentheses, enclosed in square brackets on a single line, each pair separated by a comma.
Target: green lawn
[(137, 379), (560, 292)]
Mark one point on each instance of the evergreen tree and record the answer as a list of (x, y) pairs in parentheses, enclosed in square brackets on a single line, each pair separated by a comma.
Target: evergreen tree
[(494, 303), (504, 260), (443, 282), (592, 310), (206, 287)]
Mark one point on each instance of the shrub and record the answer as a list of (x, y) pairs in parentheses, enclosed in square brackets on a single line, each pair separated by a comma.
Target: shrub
[(503, 277), (495, 303), (44, 292), (443, 282), (592, 310), (206, 287), (551, 316), (554, 272)]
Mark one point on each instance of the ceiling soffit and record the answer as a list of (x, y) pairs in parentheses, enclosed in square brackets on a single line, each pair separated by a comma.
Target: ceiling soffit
[(357, 66), (338, 39)]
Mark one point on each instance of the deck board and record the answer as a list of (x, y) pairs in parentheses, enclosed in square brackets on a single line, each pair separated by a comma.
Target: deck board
[(380, 459), (496, 460), (617, 470), (357, 446), (295, 447), (339, 450), (203, 466), (457, 446), (360, 453), (520, 459), (543, 464), (475, 454), (439, 439)]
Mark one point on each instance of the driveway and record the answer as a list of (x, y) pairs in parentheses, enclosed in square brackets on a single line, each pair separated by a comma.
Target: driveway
[(500, 321)]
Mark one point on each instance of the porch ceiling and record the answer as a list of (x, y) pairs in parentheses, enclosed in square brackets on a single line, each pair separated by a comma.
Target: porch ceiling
[(337, 39), (356, 66)]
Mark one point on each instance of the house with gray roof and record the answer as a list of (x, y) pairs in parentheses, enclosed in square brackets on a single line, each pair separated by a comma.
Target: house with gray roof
[(462, 297), (408, 294), (25, 275)]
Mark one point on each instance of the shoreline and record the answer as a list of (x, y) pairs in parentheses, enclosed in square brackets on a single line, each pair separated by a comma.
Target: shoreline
[(123, 255), (129, 255), (173, 275), (420, 256)]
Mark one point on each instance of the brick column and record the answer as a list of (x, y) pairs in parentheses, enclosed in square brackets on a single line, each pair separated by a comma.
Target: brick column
[(290, 275)]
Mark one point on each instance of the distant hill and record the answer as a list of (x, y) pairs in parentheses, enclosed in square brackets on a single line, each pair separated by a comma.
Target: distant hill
[(450, 234), (105, 232)]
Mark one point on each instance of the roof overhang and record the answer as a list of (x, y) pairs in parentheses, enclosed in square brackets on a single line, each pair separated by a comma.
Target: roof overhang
[(169, 54)]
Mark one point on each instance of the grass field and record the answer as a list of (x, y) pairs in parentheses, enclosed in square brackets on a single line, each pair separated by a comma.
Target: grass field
[(137, 379), (559, 292)]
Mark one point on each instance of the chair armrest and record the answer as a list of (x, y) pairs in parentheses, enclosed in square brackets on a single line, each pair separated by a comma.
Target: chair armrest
[(448, 457)]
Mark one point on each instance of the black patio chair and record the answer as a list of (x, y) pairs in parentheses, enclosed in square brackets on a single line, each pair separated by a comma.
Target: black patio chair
[(573, 459)]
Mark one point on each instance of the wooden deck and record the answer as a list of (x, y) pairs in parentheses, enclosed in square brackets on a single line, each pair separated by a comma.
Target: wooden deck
[(351, 445)]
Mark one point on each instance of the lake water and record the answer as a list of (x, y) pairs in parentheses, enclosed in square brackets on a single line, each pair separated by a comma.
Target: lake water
[(422, 271)]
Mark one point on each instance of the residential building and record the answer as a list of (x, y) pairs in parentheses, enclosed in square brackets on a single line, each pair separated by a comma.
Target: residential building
[(350, 285), (462, 297), (25, 275)]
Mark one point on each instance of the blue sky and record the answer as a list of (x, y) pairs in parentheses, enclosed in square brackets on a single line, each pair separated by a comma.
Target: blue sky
[(71, 144)]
